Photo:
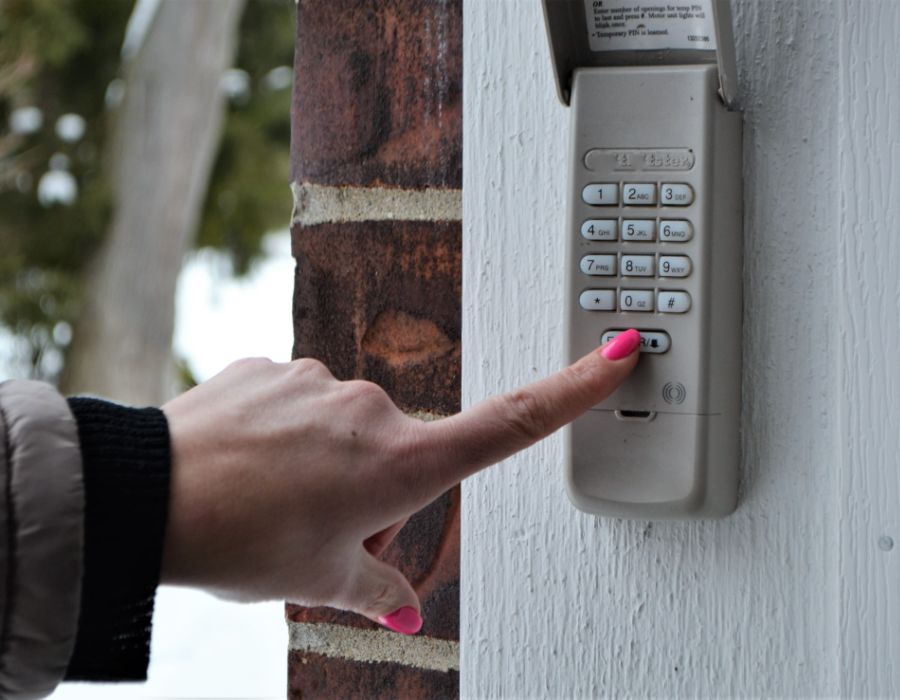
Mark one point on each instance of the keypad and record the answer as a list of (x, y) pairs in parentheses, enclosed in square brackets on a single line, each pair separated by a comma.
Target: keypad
[(649, 251)]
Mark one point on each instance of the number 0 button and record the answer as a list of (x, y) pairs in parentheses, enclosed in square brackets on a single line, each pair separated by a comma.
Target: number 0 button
[(636, 300)]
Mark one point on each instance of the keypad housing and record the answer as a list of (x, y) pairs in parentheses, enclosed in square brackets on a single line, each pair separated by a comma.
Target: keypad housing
[(665, 443)]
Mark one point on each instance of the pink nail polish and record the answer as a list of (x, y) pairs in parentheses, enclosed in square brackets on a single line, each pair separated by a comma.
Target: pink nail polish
[(622, 345), (405, 620)]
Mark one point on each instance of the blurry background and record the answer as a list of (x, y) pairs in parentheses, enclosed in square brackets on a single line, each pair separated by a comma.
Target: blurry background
[(144, 162)]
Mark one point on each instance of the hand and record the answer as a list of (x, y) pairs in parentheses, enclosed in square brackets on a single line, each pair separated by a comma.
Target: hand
[(288, 484)]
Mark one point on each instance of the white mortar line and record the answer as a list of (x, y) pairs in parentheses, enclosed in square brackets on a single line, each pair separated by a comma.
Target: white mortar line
[(373, 646), (319, 204)]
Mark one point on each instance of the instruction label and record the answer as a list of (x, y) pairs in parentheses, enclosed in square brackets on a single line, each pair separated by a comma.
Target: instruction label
[(616, 25)]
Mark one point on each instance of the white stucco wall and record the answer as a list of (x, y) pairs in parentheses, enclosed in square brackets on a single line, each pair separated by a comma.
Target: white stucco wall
[(798, 593)]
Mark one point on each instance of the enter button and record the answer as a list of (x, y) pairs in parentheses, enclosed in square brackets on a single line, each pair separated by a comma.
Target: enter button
[(655, 342)]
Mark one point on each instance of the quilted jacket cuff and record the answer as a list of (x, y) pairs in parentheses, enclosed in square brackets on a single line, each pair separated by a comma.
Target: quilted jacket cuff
[(41, 538)]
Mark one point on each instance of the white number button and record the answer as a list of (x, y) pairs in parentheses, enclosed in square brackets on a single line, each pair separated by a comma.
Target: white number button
[(676, 195), (598, 299), (676, 231), (639, 194), (599, 229), (636, 266), (598, 264), (601, 194), (674, 266), (636, 300), (638, 229), (674, 302)]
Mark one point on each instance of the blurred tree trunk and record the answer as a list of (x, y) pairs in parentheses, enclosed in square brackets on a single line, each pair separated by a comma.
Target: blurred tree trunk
[(159, 160)]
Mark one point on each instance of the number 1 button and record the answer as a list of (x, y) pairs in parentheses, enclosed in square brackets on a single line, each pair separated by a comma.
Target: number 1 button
[(601, 194)]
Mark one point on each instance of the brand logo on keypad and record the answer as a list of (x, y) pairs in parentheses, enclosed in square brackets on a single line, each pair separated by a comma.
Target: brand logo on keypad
[(639, 159), (674, 392)]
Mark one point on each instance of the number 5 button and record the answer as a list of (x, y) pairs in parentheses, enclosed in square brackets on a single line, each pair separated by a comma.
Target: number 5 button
[(673, 302)]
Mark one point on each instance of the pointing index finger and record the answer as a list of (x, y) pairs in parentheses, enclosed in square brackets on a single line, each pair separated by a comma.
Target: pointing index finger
[(502, 425)]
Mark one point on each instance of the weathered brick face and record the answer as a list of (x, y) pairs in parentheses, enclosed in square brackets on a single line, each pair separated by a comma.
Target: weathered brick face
[(377, 107), (378, 96), (380, 300), (312, 675)]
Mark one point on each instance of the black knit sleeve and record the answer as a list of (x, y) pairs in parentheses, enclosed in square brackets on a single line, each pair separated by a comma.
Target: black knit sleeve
[(126, 457)]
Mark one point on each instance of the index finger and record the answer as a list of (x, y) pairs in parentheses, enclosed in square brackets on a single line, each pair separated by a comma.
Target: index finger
[(502, 425)]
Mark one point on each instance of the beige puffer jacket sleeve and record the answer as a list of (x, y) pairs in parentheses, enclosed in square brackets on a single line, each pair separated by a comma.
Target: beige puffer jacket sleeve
[(41, 538)]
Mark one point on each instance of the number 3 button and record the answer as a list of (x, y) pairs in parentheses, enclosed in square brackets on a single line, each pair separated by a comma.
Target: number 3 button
[(676, 194)]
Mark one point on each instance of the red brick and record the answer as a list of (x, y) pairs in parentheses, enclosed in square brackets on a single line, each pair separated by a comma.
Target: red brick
[(378, 93), (315, 676), (427, 551), (381, 301)]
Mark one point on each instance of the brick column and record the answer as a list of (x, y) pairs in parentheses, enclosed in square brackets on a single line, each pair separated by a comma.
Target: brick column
[(376, 153)]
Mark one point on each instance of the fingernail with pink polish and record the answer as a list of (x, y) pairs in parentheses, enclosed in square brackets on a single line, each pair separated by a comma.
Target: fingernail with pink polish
[(405, 621), (622, 345)]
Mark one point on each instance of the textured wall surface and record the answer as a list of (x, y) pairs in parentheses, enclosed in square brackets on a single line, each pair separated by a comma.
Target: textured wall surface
[(377, 153), (869, 370), (797, 593)]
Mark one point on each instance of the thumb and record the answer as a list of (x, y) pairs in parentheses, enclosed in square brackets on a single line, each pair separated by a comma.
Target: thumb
[(383, 594)]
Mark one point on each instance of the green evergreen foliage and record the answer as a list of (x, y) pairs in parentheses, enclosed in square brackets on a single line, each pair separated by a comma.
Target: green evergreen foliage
[(57, 56), (61, 56)]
